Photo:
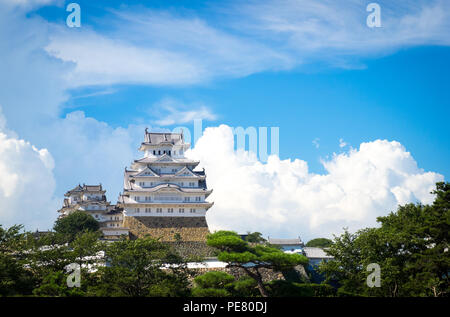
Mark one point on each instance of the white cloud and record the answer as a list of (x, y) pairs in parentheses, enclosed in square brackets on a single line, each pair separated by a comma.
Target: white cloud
[(27, 184), (282, 198), (171, 111), (90, 151), (28, 4), (342, 143), (158, 48), (334, 31), (176, 48), (316, 142)]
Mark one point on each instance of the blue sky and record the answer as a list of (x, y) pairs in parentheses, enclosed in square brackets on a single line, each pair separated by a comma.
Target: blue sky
[(402, 96), (312, 68)]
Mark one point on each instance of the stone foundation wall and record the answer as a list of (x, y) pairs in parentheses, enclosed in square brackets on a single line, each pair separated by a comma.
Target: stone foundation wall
[(165, 228), (192, 249)]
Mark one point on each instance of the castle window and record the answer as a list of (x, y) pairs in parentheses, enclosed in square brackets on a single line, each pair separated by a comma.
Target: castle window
[(181, 210), (137, 209), (154, 152), (138, 198), (192, 210)]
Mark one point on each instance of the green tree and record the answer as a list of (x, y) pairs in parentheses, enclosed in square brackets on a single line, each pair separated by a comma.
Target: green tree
[(213, 284), (222, 284), (75, 223), (239, 253), (319, 243), (411, 247), (255, 237), (15, 279), (55, 285), (143, 267), (49, 255)]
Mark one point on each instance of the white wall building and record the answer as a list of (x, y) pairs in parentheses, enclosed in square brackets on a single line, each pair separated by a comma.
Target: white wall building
[(92, 200), (163, 182)]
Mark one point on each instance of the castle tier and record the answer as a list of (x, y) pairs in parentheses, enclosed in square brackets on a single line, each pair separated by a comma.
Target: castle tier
[(91, 199), (164, 195)]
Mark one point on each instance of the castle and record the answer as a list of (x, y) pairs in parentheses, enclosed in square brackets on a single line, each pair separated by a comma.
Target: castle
[(163, 195)]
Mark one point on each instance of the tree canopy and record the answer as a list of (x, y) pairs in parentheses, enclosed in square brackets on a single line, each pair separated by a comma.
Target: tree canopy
[(74, 223), (319, 243), (239, 253), (411, 246)]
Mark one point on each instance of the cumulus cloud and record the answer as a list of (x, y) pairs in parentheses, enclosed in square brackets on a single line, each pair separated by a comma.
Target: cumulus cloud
[(282, 198), (87, 150), (27, 184)]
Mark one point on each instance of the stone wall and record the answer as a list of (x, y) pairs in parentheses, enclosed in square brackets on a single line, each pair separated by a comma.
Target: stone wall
[(165, 228), (192, 249)]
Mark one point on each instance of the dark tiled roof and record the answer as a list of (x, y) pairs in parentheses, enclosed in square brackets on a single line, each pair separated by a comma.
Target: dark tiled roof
[(85, 188), (163, 137)]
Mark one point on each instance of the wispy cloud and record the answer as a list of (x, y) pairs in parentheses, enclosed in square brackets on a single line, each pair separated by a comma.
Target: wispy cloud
[(342, 143), (171, 111), (316, 142), (154, 47)]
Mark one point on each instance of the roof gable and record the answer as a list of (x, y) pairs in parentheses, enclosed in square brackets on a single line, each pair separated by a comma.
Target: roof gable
[(186, 172), (147, 172), (164, 158)]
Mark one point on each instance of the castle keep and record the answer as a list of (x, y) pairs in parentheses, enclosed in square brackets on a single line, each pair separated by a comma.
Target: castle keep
[(163, 196)]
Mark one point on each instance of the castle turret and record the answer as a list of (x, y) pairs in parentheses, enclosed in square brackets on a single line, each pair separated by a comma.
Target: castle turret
[(91, 199)]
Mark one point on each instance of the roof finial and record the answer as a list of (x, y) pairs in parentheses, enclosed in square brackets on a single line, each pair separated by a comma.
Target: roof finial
[(146, 130)]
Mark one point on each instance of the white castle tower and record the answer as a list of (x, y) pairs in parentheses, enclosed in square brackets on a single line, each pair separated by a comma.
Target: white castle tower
[(163, 195)]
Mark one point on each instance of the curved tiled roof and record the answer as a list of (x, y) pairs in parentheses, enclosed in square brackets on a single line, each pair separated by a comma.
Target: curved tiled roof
[(170, 186)]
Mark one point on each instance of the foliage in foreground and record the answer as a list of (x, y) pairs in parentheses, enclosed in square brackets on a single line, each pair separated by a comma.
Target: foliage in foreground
[(411, 246), (319, 243), (252, 258)]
